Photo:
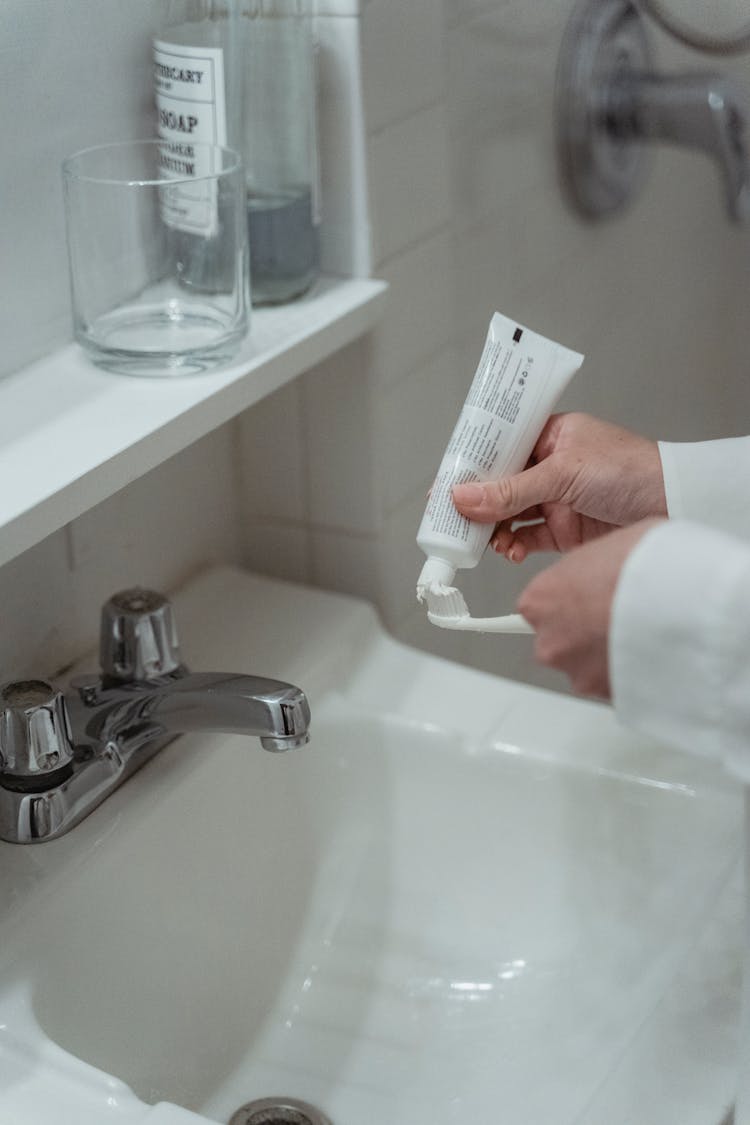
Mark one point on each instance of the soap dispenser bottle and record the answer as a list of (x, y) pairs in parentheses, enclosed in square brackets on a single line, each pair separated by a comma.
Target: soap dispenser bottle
[(197, 98), (196, 73), (279, 146)]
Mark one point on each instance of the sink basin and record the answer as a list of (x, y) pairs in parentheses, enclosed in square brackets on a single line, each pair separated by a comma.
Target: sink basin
[(466, 900)]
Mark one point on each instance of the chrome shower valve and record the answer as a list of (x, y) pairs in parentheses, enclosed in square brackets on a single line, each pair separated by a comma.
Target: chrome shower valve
[(612, 105)]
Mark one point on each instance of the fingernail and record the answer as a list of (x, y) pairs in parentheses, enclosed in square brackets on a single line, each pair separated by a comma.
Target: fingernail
[(468, 493)]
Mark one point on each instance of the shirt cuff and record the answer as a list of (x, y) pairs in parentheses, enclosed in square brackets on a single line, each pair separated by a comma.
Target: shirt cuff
[(679, 646), (708, 481)]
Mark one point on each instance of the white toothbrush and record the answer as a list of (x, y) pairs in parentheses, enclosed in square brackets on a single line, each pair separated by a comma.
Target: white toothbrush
[(446, 607)]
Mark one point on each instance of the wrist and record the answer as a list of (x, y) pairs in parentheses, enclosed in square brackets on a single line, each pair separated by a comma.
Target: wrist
[(653, 493)]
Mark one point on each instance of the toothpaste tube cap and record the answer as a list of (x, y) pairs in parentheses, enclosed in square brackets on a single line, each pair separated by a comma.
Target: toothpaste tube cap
[(435, 572)]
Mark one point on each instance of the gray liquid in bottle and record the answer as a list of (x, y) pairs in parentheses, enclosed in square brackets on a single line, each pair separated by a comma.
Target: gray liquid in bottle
[(283, 244)]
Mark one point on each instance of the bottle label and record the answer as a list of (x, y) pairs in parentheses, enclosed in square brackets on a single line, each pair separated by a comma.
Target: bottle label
[(191, 111)]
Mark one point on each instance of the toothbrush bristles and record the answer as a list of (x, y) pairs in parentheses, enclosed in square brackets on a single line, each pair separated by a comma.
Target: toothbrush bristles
[(446, 607), (446, 602)]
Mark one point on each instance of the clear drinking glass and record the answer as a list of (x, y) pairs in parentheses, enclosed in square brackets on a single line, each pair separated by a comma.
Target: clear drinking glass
[(157, 242)]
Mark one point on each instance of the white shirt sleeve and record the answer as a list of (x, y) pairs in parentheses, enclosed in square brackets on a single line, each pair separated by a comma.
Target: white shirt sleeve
[(679, 644), (709, 481)]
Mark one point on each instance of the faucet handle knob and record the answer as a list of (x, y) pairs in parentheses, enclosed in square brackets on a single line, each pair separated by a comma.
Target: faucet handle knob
[(35, 739), (138, 639)]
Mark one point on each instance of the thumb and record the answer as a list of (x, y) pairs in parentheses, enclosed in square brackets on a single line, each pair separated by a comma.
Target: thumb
[(499, 500)]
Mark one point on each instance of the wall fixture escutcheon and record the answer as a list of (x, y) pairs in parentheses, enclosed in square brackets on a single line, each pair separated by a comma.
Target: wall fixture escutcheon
[(602, 162)]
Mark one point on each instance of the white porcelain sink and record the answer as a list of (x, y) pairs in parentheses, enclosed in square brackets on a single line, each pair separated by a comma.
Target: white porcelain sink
[(467, 900)]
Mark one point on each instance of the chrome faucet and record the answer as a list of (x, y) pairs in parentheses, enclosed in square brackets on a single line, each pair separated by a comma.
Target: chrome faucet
[(705, 112), (612, 105), (62, 753)]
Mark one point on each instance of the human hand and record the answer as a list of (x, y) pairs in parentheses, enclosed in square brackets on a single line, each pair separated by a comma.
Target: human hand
[(585, 476), (569, 605)]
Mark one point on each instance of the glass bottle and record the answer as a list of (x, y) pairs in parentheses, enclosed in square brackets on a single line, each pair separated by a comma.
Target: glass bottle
[(197, 96), (196, 73), (279, 146)]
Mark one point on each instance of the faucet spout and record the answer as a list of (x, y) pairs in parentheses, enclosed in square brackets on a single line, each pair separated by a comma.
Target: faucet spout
[(277, 712), (137, 713), (700, 111)]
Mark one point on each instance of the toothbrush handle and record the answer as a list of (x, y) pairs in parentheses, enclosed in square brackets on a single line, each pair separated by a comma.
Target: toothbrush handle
[(509, 623)]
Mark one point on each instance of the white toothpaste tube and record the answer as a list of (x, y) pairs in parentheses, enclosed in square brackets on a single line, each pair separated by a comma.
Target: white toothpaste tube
[(518, 381)]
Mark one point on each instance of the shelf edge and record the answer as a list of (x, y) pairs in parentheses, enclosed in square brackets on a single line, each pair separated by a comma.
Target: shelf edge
[(246, 383)]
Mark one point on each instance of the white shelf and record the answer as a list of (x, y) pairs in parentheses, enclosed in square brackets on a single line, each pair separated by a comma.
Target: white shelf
[(72, 435)]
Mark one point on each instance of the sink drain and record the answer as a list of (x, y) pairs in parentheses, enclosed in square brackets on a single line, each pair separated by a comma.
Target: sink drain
[(278, 1111)]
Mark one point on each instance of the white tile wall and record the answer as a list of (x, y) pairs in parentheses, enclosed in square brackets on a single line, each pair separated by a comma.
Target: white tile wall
[(409, 180), (423, 405), (170, 524), (348, 563), (281, 550), (341, 477), (37, 605), (73, 76), (180, 518), (405, 71), (272, 458), (421, 314)]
